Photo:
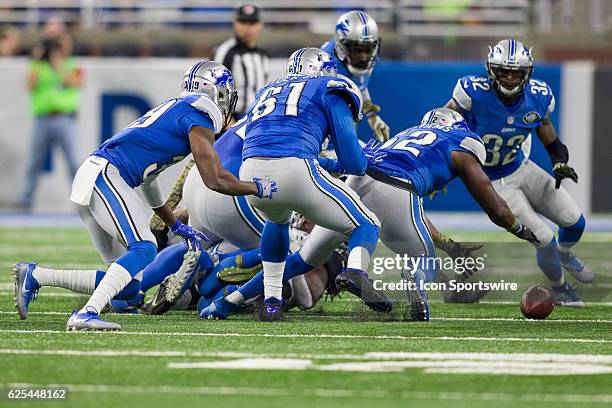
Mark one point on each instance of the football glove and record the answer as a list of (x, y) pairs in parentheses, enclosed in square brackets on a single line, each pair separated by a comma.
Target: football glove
[(564, 170), (191, 235), (380, 129), (523, 232), (459, 250), (372, 154), (559, 155), (265, 187)]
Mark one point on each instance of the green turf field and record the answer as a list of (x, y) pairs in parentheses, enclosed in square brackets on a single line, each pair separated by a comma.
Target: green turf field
[(333, 355)]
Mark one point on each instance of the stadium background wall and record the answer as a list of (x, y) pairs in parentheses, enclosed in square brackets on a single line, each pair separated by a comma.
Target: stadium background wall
[(117, 90)]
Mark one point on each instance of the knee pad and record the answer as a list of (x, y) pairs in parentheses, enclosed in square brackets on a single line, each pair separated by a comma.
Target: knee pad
[(366, 235), (139, 254), (571, 234)]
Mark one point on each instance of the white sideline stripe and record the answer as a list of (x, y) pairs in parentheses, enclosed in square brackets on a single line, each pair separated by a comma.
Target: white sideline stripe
[(300, 315), (314, 336), (512, 357), (323, 392)]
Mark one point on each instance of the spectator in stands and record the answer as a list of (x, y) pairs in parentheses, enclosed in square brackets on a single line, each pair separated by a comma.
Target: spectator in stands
[(248, 62), (9, 41), (54, 79)]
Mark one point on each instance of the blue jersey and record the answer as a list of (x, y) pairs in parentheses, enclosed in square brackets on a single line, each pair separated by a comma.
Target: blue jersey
[(361, 81), (422, 155), (503, 128), (160, 138), (229, 147), (290, 117)]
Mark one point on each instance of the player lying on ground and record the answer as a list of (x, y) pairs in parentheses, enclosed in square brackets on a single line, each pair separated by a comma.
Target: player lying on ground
[(504, 109), (286, 126), (412, 164), (115, 216), (355, 49)]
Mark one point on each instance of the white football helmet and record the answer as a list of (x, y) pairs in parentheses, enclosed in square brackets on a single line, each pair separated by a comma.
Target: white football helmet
[(445, 117), (509, 55), (214, 80), (311, 61), (357, 41)]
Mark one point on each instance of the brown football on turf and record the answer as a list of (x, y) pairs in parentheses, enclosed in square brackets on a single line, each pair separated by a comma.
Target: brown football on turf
[(537, 303)]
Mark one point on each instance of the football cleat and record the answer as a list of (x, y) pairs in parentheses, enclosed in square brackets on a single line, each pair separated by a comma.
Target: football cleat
[(418, 305), (272, 310), (89, 321), (159, 305), (219, 309), (177, 283), (237, 274), (357, 283), (566, 295), (573, 265), (26, 287)]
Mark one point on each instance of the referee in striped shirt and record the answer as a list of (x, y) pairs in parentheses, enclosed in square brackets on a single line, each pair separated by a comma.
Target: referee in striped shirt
[(248, 62)]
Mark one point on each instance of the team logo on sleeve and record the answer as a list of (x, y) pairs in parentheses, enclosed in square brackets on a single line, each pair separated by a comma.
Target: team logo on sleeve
[(532, 117)]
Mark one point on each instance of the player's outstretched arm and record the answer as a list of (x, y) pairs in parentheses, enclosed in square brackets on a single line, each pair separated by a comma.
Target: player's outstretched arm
[(344, 136), (209, 166), (479, 186), (559, 155)]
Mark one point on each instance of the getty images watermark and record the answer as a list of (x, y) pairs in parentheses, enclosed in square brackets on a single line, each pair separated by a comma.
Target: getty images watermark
[(462, 266)]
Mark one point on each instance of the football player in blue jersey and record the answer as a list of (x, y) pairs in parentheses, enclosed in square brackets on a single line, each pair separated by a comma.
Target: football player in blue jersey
[(409, 166), (103, 191), (355, 49), (505, 109), (286, 126)]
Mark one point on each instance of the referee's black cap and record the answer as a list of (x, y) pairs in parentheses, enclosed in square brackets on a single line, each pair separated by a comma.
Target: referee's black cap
[(248, 13)]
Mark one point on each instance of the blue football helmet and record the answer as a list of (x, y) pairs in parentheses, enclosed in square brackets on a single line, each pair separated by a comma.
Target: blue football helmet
[(445, 117), (311, 61)]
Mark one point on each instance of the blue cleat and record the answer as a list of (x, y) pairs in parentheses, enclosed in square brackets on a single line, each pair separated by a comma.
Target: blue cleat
[(573, 265), (566, 295), (219, 309), (26, 287), (123, 307), (357, 283), (272, 310), (89, 321)]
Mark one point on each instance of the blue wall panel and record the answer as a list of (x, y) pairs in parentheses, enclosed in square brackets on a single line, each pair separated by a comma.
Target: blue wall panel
[(407, 90)]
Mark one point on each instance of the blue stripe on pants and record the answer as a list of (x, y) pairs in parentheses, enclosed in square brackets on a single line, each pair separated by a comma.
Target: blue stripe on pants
[(417, 218), (117, 210), (249, 215), (350, 206)]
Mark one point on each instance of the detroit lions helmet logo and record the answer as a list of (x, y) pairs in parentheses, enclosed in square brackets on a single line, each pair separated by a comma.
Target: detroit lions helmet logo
[(223, 76), (343, 26)]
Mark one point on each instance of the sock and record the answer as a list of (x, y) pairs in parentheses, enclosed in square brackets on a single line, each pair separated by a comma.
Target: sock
[(81, 281), (362, 243), (570, 235), (235, 297), (294, 266), (358, 258), (549, 263), (274, 248), (251, 258), (165, 264), (115, 279), (273, 279)]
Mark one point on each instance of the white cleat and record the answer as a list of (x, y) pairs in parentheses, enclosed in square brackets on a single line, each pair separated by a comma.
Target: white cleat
[(89, 321), (579, 270)]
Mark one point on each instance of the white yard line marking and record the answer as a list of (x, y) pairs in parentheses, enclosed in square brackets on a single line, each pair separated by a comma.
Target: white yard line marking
[(50, 294), (382, 356), (324, 393), (316, 336), (313, 316)]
